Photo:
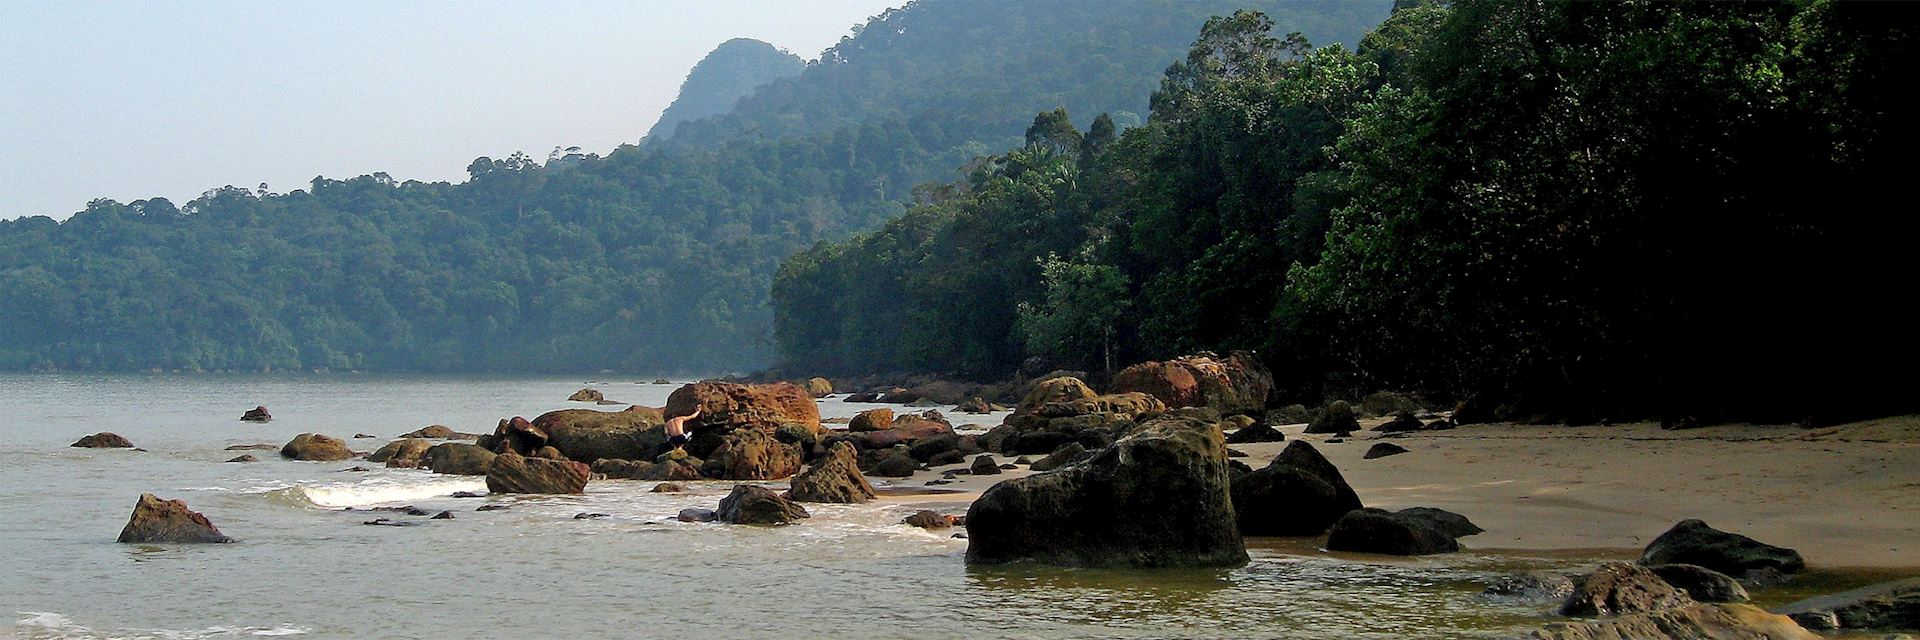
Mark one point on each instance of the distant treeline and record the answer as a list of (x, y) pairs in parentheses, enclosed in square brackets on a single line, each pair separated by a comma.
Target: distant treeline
[(1581, 209), (654, 258)]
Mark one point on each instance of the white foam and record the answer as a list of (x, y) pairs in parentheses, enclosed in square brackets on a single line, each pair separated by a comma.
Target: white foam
[(374, 491), (47, 624)]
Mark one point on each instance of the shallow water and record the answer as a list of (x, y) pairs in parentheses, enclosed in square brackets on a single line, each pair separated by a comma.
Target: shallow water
[(305, 565)]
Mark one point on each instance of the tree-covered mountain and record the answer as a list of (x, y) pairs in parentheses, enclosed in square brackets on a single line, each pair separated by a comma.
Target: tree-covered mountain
[(652, 258), (1576, 210), (733, 70)]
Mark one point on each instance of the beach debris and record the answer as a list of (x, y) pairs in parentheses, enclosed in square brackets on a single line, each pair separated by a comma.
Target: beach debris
[(1384, 532), (513, 473), (1299, 493), (1746, 559), (1382, 450), (833, 478), (159, 521), (103, 440), (256, 414), (316, 447), (754, 504), (1700, 583), (1619, 588)]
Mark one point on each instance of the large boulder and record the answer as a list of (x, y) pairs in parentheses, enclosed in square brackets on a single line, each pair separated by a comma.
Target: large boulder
[(157, 521), (459, 458), (1336, 417), (1702, 584), (1447, 522), (1300, 493), (907, 429), (514, 473), (313, 446), (754, 504), (1051, 390), (1157, 498), (587, 395), (1238, 383), (752, 454), (1060, 457), (1619, 588), (405, 452), (726, 406), (1693, 542), (515, 435), (819, 387), (871, 420), (1385, 532), (587, 435), (103, 440), (1696, 622), (1885, 606), (896, 463), (833, 478)]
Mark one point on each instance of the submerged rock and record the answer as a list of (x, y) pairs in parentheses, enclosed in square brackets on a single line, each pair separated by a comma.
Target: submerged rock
[(103, 440), (314, 446), (1384, 532), (244, 458), (754, 504), (254, 447), (514, 473), (1300, 493), (587, 395), (158, 521), (1532, 586), (1696, 622), (1157, 498), (1619, 588), (667, 487), (929, 520), (833, 478), (439, 432), (1885, 606), (1693, 542), (256, 414)]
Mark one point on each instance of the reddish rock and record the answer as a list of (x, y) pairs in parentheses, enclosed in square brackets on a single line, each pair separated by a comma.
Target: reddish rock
[(313, 446), (168, 521), (512, 473), (1238, 383), (834, 478), (871, 420), (751, 454)]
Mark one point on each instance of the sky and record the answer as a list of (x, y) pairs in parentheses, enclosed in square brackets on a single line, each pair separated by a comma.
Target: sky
[(131, 100)]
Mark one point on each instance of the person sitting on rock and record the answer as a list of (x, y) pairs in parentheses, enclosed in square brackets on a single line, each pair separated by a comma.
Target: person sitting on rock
[(677, 433)]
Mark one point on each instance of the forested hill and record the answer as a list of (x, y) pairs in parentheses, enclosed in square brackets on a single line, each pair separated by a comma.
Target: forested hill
[(1572, 210), (734, 69), (651, 258)]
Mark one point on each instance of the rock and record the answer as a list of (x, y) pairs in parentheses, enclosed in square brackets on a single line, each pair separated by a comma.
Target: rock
[(103, 440), (467, 494), (662, 381), (833, 478), (673, 469), (906, 429), (1290, 414), (363, 436), (926, 449), (754, 504), (587, 435), (819, 387), (459, 458), (1300, 493), (1382, 450), (254, 447), (1696, 622), (617, 469), (591, 516), (515, 435), (313, 446), (1619, 588), (1885, 606), (667, 487), (1336, 417), (493, 507), (387, 522), (1061, 389), (1157, 498), (871, 420), (586, 395), (975, 405), (1385, 532), (984, 466), (896, 465), (1235, 384), (1400, 424), (1256, 433), (752, 454), (1700, 583), (439, 432), (244, 458), (863, 397), (1136, 405), (1693, 542), (1388, 403), (1023, 460), (726, 406), (929, 520), (1448, 522), (405, 452), (1236, 453), (157, 521), (444, 515), (695, 514), (1062, 456), (256, 414), (514, 473), (1532, 586)]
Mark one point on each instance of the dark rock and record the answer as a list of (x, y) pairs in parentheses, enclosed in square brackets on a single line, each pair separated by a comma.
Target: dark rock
[(1388, 403), (405, 452), (1532, 586), (254, 447), (929, 520), (1400, 424), (1382, 450), (1448, 522), (984, 466), (513, 473), (244, 458), (1290, 414), (591, 516), (1236, 453), (662, 381), (355, 469), (439, 432), (459, 458), (907, 429), (587, 395), (616, 469), (695, 514), (1300, 493), (256, 414), (1384, 532), (669, 468), (1885, 606), (313, 446), (896, 465), (1060, 457), (1696, 622), (1009, 467), (833, 478), (587, 435), (387, 522), (1619, 588), (1256, 433), (103, 440), (863, 397), (752, 454), (754, 504), (467, 494), (1336, 417), (493, 507), (363, 436), (925, 449), (444, 515), (1701, 583), (1693, 542), (1023, 460), (158, 521), (1156, 498), (667, 487), (976, 405)]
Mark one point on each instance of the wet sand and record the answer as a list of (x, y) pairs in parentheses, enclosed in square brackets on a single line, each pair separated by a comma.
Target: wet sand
[(1846, 496)]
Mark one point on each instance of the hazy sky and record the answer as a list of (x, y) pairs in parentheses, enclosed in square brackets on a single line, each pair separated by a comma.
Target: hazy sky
[(128, 100)]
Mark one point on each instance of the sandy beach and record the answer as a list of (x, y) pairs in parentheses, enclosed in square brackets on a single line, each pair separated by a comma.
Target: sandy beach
[(1845, 497)]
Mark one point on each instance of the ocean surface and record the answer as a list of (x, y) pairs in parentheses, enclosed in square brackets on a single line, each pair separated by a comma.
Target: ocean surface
[(305, 565)]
